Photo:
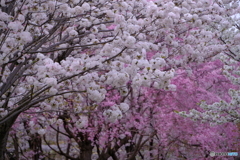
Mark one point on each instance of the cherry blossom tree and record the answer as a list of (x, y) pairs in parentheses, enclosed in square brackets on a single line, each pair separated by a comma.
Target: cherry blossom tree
[(76, 71), (223, 110), (151, 129)]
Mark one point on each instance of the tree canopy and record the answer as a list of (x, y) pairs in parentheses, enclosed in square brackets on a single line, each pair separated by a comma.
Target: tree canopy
[(119, 79)]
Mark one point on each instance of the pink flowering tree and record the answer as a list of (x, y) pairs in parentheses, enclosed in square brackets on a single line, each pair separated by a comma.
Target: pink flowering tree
[(75, 75), (225, 108), (148, 128)]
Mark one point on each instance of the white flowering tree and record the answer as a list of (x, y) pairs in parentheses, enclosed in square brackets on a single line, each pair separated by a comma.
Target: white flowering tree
[(225, 111), (64, 56)]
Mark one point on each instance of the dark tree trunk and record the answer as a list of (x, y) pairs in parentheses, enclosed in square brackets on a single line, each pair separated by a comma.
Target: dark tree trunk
[(36, 145), (86, 150), (3, 141), (4, 131), (130, 149), (85, 147)]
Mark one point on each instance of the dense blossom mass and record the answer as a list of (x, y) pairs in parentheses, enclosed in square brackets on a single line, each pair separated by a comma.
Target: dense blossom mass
[(119, 79)]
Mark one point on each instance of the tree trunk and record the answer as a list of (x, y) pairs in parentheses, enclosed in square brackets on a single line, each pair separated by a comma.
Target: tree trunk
[(3, 141), (35, 144), (4, 131), (86, 150), (130, 150)]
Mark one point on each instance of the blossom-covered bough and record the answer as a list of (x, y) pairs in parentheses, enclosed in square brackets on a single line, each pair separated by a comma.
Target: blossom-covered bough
[(224, 111), (77, 75)]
